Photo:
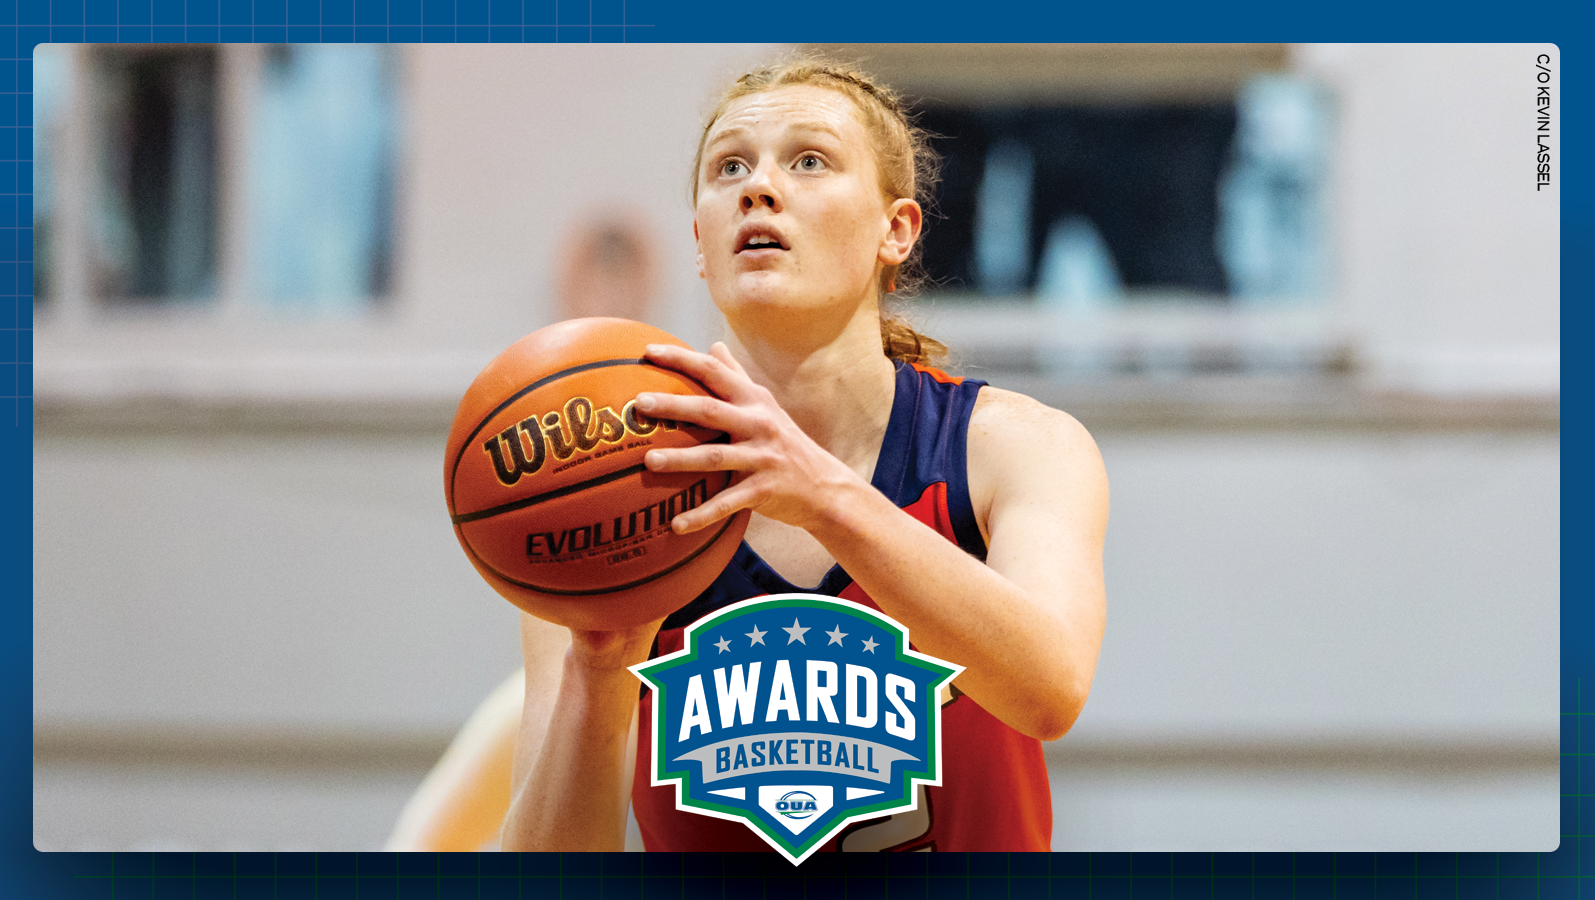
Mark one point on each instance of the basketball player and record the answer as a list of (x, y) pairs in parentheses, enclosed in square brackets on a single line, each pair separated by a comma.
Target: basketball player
[(973, 516)]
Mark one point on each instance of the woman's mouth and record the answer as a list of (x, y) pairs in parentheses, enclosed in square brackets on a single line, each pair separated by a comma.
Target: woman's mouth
[(756, 238)]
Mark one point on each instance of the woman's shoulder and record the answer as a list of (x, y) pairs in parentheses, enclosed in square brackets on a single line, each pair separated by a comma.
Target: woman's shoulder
[(1008, 419), (1020, 447)]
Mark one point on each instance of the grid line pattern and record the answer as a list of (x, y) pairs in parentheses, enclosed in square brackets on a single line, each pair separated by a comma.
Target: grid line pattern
[(27, 23), (16, 212), (331, 21)]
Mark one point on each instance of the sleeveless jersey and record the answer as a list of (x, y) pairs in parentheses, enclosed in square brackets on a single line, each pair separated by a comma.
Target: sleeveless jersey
[(994, 794)]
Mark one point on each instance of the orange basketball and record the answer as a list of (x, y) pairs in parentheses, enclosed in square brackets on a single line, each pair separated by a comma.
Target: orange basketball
[(547, 489)]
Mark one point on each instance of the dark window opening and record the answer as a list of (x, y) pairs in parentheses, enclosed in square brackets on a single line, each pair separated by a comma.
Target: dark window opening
[(1080, 199), (153, 223)]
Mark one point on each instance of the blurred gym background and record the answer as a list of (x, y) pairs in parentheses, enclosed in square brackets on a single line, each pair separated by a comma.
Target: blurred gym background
[(1306, 298)]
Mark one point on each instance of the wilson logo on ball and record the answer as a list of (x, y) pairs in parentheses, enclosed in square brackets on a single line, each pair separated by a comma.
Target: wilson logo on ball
[(580, 428)]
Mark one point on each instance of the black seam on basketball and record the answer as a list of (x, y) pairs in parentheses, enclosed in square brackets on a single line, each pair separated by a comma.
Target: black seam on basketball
[(604, 590), (555, 494), (491, 511)]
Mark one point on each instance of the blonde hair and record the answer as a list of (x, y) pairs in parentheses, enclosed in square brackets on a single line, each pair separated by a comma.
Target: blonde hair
[(903, 156)]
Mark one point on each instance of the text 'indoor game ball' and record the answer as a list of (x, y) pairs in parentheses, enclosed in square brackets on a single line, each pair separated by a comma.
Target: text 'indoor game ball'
[(547, 489)]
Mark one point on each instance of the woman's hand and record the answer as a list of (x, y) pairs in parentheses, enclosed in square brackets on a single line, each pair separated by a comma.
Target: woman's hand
[(600, 651), (782, 473)]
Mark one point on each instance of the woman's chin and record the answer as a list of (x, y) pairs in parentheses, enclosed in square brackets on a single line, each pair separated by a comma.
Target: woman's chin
[(751, 291)]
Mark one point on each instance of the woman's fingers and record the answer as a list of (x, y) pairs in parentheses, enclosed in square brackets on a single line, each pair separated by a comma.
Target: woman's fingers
[(780, 470), (710, 412), (723, 353), (739, 408), (702, 458), (728, 502), (719, 373)]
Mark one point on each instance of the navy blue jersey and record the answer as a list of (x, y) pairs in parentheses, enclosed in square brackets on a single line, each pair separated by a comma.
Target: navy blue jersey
[(994, 794)]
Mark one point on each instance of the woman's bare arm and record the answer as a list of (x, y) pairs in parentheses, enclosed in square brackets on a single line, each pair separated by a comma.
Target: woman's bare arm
[(574, 756)]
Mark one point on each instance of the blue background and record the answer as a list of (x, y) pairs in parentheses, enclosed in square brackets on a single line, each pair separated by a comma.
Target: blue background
[(26, 23)]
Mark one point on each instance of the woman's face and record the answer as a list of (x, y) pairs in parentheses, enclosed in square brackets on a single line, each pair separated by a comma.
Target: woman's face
[(790, 207)]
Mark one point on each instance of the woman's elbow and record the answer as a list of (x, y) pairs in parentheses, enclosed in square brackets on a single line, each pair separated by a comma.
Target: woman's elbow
[(1058, 713)]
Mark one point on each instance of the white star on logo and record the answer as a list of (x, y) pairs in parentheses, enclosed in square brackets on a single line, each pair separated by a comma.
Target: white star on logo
[(870, 645), (757, 635), (723, 644), (796, 632), (836, 635)]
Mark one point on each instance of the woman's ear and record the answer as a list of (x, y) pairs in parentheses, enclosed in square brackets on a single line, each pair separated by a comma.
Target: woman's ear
[(903, 219)]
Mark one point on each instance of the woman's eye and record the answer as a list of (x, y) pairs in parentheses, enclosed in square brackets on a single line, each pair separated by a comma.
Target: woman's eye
[(731, 167), (810, 164)]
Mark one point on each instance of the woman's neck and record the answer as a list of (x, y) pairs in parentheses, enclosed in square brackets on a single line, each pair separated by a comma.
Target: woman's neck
[(837, 387)]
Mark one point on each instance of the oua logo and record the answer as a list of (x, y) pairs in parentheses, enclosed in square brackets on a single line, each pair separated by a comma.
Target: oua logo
[(796, 714)]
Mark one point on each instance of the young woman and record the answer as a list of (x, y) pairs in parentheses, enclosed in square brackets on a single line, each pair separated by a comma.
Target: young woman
[(973, 516)]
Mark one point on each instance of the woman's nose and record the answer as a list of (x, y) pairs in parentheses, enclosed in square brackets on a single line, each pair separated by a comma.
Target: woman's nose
[(760, 191), (751, 199)]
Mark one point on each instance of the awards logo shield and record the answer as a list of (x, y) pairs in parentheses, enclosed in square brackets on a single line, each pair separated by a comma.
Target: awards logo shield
[(796, 714)]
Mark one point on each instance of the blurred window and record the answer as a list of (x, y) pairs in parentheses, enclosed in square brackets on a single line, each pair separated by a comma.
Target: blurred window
[(152, 234), (1271, 198), (254, 176), (1082, 206), (1155, 211), (321, 176), (1079, 203), (50, 77)]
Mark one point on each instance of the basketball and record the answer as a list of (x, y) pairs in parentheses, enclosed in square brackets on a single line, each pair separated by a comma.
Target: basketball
[(547, 490)]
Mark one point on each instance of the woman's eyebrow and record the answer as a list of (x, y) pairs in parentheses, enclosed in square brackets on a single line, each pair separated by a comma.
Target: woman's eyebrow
[(728, 133), (818, 127), (803, 127)]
